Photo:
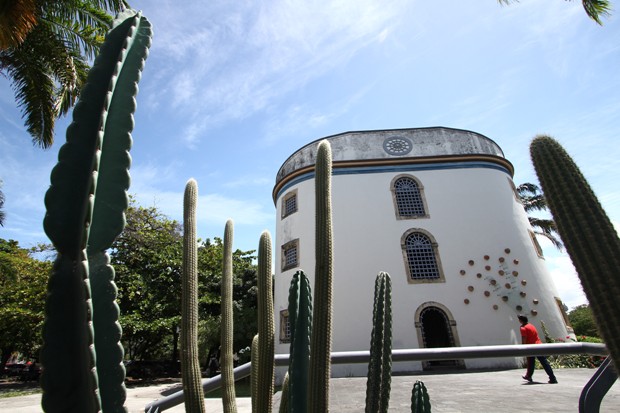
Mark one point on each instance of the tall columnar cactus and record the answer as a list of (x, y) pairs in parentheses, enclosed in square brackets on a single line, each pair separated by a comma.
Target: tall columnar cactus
[(254, 383), (284, 399), (587, 232), (320, 348), (190, 365), (380, 365), (266, 327), (228, 380), (420, 402), (300, 320), (85, 209)]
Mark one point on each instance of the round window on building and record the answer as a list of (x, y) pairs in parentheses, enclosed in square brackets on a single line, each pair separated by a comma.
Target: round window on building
[(397, 146)]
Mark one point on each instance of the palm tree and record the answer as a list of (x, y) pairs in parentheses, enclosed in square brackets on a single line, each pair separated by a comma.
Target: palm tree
[(45, 47), (1, 206), (533, 199), (595, 9)]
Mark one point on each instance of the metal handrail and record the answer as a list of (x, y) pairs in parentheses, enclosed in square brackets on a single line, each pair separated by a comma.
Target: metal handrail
[(425, 354)]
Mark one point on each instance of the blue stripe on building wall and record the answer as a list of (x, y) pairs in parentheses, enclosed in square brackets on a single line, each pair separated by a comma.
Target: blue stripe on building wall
[(355, 170)]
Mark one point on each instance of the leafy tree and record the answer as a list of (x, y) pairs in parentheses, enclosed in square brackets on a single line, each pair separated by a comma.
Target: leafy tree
[(147, 258), (45, 48), (582, 321), (595, 9), (23, 286), (533, 199)]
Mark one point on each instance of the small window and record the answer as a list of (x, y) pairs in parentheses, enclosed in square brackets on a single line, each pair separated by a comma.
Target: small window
[(537, 246), (408, 198), (290, 255), (421, 257), (289, 203), (285, 327)]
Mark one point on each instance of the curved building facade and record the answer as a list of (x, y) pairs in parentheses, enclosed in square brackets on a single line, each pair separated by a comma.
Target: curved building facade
[(437, 209)]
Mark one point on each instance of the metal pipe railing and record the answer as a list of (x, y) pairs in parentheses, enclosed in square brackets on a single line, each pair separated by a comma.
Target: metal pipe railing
[(425, 354)]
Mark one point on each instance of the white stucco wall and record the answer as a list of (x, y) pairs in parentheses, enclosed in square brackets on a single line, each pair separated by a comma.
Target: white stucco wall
[(472, 213)]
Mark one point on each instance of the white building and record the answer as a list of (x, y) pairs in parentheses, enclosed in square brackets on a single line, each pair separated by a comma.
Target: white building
[(436, 208)]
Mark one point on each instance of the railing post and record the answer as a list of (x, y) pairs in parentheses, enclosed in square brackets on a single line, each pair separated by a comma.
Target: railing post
[(597, 387)]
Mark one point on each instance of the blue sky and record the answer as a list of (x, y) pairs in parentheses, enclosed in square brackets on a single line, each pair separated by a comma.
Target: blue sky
[(231, 89)]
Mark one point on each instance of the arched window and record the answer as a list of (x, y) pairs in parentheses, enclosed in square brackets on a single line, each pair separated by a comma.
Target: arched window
[(421, 257), (408, 198)]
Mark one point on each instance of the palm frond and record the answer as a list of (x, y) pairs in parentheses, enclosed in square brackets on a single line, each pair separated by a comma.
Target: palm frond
[(547, 229), (33, 84), (17, 19), (596, 9), (2, 216)]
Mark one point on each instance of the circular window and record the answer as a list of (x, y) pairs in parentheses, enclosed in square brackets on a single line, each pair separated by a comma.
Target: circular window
[(397, 146)]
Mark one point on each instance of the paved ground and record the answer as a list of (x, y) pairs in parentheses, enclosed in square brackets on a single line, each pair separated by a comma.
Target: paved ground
[(497, 391)]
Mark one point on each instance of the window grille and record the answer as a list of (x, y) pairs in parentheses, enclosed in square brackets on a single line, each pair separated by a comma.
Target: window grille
[(290, 205), (285, 327), (290, 255), (421, 257), (408, 198)]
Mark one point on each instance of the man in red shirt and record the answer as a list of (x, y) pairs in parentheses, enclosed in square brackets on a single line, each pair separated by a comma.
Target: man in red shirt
[(529, 335)]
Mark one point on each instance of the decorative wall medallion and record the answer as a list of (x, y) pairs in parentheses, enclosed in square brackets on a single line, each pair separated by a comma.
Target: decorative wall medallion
[(508, 286), (487, 267), (515, 273), (462, 272), (495, 306), (466, 301), (487, 293), (523, 282), (507, 250), (534, 312), (479, 275), (470, 288), (519, 308), (486, 257), (397, 146), (471, 262), (535, 301), (501, 272), (516, 262), (501, 259)]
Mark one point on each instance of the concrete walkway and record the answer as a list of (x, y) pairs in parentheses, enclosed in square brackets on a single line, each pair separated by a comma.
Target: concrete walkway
[(496, 391)]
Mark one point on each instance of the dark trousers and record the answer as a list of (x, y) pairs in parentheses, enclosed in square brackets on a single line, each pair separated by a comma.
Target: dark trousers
[(543, 361)]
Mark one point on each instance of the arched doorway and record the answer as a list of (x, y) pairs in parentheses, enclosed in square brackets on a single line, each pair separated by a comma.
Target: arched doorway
[(436, 328)]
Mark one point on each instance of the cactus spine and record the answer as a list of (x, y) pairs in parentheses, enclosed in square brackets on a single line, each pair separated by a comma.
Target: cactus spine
[(190, 366), (320, 348), (300, 319), (588, 234), (229, 401), (380, 365), (420, 402), (266, 326), (85, 209)]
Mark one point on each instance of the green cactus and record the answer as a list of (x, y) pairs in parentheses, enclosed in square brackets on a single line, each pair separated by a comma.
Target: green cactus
[(85, 209), (300, 319), (229, 401), (420, 402), (266, 326), (587, 232), (190, 365), (380, 365), (284, 396), (254, 383), (320, 347)]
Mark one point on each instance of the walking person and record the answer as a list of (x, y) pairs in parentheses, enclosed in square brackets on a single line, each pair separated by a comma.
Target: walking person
[(529, 335)]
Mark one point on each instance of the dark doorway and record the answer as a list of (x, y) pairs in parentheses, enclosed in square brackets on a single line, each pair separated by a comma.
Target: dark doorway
[(436, 332)]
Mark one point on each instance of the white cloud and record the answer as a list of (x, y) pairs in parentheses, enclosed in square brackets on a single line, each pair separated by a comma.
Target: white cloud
[(566, 280), (238, 57)]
